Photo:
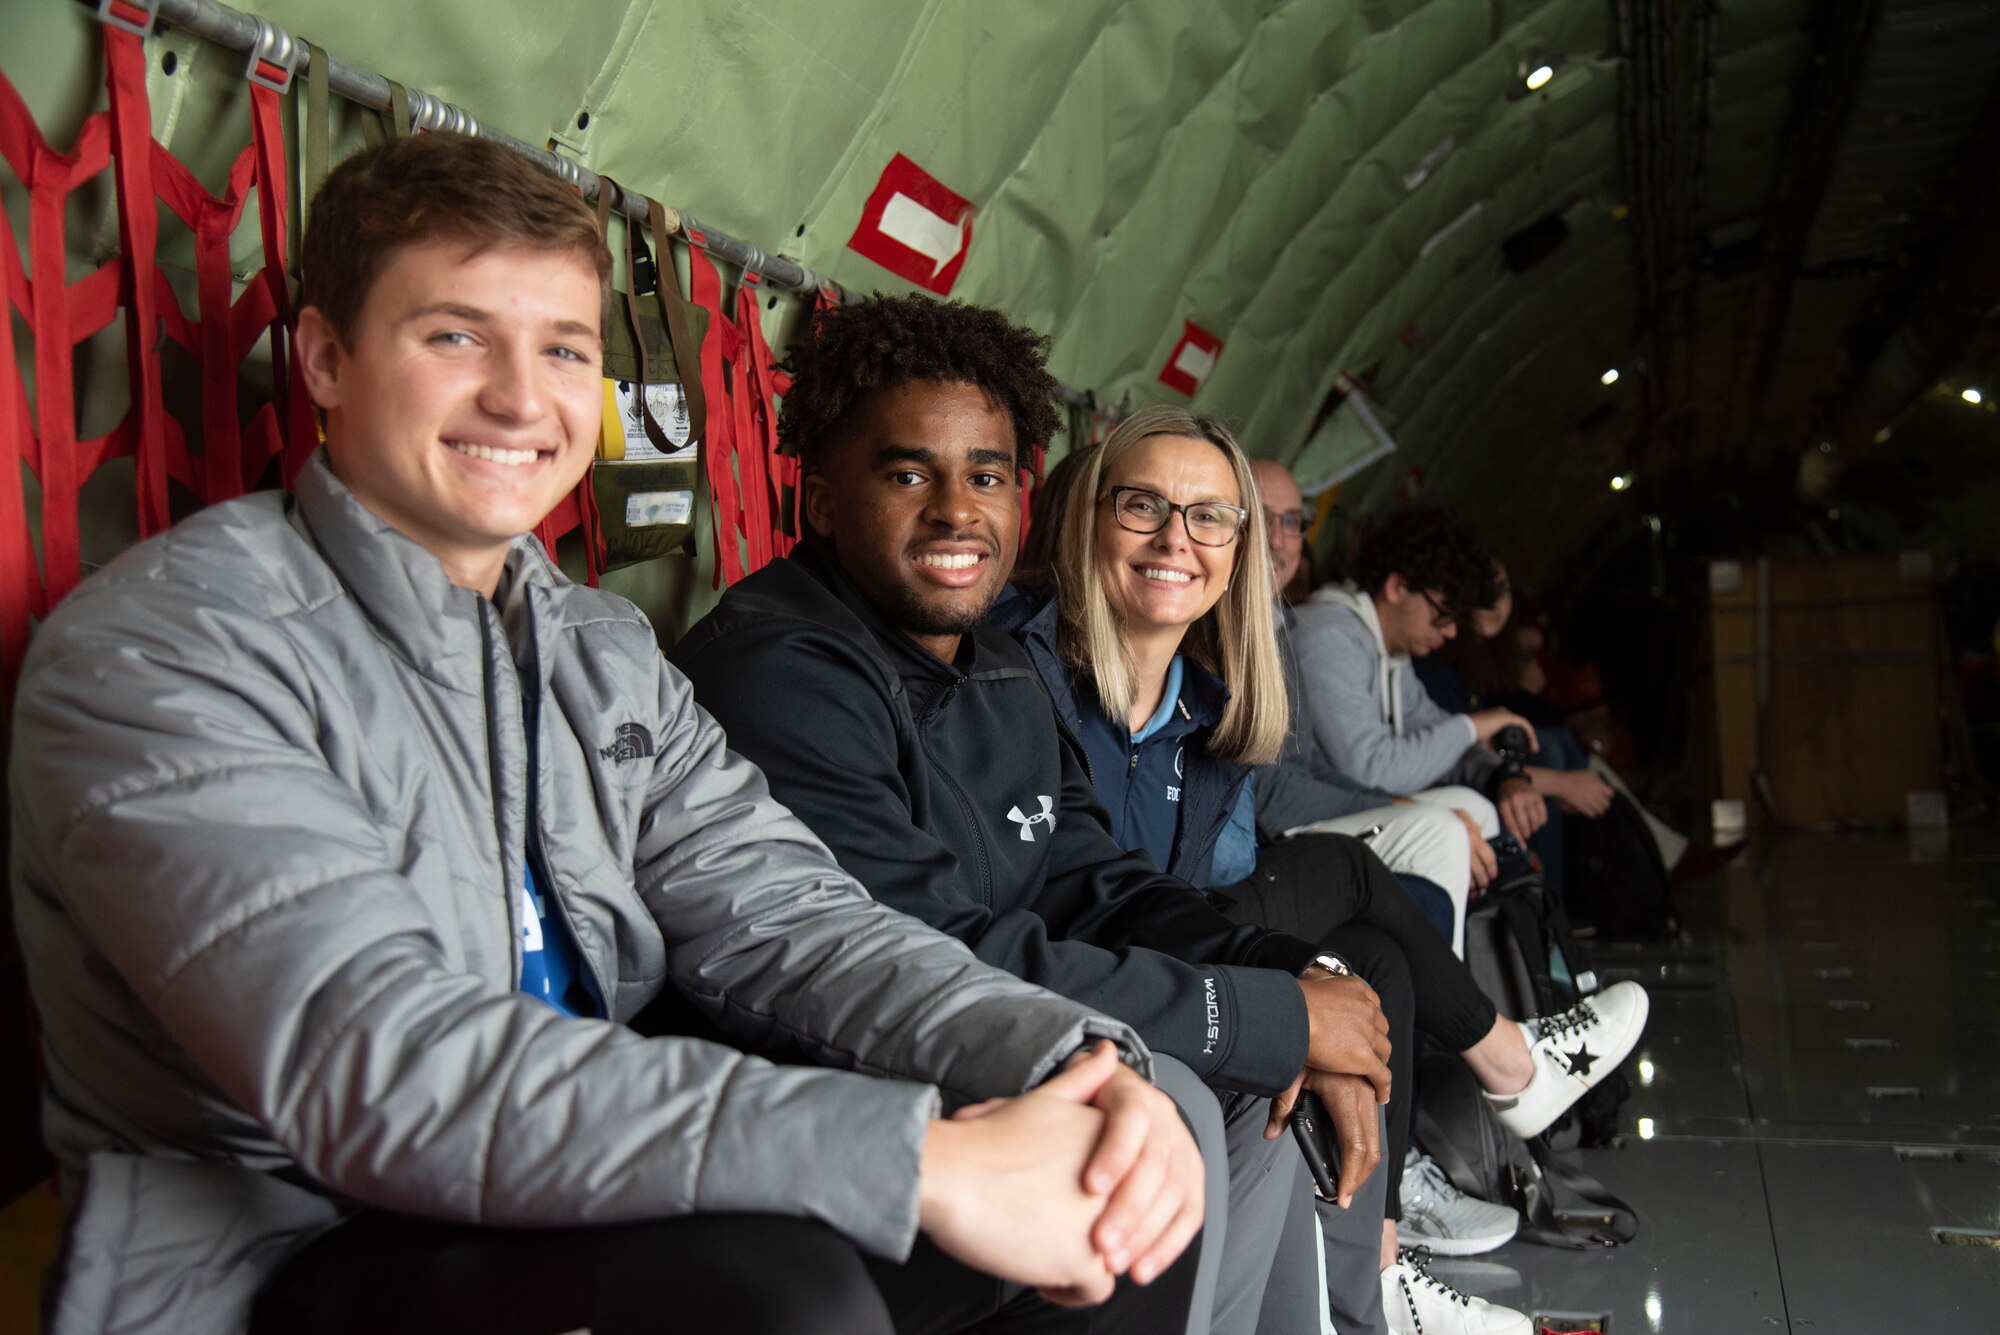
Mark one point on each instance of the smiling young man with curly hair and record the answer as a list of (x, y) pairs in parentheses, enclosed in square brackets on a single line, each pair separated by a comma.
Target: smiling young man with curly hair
[(923, 748)]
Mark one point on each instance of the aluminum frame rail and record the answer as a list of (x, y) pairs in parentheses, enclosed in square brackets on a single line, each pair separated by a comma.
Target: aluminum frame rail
[(273, 52)]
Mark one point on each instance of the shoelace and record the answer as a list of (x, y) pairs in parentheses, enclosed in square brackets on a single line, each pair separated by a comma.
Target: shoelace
[(1574, 1020), (1417, 1259), (1434, 1179)]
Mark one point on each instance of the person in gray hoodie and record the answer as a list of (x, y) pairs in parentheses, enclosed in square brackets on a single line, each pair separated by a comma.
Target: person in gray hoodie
[(351, 841), (1416, 577)]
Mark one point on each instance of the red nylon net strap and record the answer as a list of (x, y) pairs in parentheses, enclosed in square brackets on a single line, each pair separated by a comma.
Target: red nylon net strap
[(718, 450), (229, 326), (62, 315)]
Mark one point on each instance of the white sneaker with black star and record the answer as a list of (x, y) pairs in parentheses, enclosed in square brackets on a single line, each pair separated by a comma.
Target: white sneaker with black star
[(1572, 1051), (1416, 1302)]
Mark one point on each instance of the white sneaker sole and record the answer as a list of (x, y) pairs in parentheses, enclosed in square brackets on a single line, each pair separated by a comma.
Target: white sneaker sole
[(1454, 1246)]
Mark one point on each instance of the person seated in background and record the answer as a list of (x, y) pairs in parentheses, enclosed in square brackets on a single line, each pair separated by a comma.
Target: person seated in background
[(1442, 841), (348, 836), (1416, 577), (1146, 609), (1486, 653), (1489, 668), (920, 745)]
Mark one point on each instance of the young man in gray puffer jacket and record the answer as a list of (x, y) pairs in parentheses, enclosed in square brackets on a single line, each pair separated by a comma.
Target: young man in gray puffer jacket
[(348, 837)]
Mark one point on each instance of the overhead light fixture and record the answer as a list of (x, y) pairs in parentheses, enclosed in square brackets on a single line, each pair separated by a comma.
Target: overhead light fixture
[(1609, 377), (1972, 396), (1539, 76), (1622, 482)]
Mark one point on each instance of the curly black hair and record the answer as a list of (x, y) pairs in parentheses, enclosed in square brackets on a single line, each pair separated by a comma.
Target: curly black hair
[(1432, 550), (849, 352)]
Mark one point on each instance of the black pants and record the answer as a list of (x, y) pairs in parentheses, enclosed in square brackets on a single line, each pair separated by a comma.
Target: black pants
[(740, 1274), (1331, 889)]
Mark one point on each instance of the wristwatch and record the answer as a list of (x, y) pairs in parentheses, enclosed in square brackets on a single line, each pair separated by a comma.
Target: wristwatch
[(1333, 964)]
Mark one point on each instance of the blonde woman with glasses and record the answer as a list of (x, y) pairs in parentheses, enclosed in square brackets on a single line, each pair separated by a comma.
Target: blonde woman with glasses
[(1145, 603)]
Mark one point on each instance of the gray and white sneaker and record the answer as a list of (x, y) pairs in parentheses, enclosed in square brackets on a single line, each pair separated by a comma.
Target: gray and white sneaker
[(1416, 1302), (1444, 1219)]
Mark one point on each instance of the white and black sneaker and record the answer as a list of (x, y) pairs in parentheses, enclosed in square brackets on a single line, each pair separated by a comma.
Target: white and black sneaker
[(1443, 1220), (1416, 1302), (1572, 1051)]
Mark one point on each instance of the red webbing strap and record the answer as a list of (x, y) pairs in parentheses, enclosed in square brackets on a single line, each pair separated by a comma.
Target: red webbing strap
[(781, 471), (578, 507), (718, 450), (751, 471), (138, 238), (20, 582)]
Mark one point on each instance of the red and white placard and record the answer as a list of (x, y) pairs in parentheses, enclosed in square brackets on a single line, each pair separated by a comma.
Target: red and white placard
[(1191, 360), (915, 226)]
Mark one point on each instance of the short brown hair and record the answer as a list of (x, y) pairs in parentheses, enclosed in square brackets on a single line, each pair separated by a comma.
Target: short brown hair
[(432, 187)]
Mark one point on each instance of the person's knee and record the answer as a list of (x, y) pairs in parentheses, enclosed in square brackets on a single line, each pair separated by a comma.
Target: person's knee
[(796, 1274), (1198, 1105), (1380, 961), (1473, 804)]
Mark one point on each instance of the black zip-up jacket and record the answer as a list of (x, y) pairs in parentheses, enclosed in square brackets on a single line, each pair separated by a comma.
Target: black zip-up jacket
[(952, 793)]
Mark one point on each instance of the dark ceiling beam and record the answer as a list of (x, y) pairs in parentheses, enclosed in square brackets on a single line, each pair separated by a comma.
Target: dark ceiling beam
[(1841, 40), (1944, 314), (1667, 46)]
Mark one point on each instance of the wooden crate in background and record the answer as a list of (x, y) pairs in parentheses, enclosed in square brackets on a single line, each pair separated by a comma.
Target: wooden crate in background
[(1845, 722)]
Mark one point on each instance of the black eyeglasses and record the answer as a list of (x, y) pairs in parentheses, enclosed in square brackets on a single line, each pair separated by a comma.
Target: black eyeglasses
[(1210, 523), (1441, 617), (1291, 523)]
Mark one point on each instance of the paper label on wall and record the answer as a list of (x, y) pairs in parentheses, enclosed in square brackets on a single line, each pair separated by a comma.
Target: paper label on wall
[(915, 226), (648, 509), (1191, 360), (670, 410)]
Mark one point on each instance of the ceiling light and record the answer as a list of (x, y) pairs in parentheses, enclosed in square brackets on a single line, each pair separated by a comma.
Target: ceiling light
[(1609, 377), (1621, 482), (1972, 396), (1541, 75)]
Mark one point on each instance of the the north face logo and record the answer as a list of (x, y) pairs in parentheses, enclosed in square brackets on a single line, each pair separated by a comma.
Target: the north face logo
[(1028, 823), (631, 742)]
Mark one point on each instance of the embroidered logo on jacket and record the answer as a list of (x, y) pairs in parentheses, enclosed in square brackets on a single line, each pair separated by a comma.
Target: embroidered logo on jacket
[(631, 742), (1213, 1032), (1028, 823)]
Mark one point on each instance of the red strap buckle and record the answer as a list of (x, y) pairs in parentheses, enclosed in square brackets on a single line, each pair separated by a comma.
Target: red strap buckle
[(274, 57), (134, 16)]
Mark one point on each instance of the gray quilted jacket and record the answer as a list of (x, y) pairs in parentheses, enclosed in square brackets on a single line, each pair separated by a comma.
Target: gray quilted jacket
[(269, 786)]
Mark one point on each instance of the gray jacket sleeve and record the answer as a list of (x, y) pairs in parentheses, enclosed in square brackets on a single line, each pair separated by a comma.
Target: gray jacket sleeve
[(178, 808), (1340, 705), (1476, 766)]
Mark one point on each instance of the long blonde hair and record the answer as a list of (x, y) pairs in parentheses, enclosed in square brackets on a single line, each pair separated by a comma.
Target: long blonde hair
[(1236, 639)]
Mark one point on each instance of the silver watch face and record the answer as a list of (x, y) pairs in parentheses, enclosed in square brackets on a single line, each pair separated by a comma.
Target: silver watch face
[(1332, 964)]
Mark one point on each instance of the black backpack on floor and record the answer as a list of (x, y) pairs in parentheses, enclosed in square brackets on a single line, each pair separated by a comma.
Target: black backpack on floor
[(1453, 1123), (1613, 878)]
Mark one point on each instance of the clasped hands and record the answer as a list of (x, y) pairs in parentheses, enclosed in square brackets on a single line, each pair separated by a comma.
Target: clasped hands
[(1347, 1065), (1086, 1177)]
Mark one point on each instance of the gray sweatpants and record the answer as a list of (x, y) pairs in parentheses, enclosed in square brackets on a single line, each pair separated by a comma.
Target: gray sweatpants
[(1259, 1266), (1353, 1252)]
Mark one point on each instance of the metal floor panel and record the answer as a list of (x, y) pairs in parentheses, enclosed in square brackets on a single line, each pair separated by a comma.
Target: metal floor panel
[(1817, 1091)]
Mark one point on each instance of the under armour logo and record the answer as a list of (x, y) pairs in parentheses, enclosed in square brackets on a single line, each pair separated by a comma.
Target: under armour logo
[(630, 742), (1028, 823)]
